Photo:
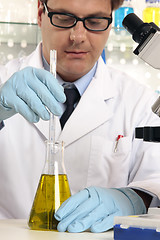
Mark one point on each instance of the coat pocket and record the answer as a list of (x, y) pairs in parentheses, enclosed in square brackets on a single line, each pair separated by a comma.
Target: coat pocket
[(106, 167)]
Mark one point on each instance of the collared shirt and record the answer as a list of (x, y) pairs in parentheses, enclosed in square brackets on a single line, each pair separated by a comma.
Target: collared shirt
[(81, 84)]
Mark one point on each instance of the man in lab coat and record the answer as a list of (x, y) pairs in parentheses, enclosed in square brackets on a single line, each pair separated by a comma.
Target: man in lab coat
[(107, 177)]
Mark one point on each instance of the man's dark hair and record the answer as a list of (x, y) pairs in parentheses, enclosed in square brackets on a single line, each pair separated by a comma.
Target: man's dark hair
[(114, 3)]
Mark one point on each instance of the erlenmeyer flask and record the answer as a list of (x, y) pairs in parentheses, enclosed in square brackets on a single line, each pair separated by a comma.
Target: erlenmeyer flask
[(53, 189)]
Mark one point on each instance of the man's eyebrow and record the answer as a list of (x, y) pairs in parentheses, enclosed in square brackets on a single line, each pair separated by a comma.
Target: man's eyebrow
[(96, 14), (99, 14)]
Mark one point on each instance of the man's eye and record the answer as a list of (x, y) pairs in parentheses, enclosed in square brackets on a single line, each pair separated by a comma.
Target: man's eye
[(94, 21), (63, 18)]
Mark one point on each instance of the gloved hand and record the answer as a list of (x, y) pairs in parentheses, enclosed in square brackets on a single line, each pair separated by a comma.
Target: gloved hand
[(30, 92), (96, 207)]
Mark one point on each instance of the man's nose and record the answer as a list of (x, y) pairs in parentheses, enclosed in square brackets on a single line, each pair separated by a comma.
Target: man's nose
[(78, 33)]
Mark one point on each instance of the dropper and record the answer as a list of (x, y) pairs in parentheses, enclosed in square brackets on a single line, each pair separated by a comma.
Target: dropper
[(53, 118)]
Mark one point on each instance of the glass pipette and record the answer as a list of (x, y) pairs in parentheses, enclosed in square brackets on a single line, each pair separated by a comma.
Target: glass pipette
[(53, 119), (52, 134)]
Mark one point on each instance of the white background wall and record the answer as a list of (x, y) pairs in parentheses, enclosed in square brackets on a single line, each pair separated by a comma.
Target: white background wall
[(18, 11)]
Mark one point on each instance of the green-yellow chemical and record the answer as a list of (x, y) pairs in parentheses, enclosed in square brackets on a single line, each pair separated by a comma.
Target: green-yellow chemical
[(51, 193), (152, 14)]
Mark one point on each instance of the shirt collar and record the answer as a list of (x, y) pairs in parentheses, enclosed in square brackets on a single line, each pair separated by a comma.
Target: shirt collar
[(81, 84)]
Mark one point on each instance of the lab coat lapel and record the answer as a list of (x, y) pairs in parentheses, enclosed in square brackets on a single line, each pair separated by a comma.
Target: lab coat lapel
[(93, 109)]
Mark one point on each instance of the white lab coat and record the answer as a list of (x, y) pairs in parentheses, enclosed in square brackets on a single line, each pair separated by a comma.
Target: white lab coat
[(113, 104)]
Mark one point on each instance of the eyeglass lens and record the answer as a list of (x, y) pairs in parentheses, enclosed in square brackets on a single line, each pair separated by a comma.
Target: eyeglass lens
[(63, 20)]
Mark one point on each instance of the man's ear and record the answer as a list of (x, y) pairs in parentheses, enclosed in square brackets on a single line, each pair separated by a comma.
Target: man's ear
[(40, 12)]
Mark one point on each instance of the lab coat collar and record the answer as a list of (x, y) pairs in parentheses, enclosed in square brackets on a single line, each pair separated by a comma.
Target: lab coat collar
[(34, 59)]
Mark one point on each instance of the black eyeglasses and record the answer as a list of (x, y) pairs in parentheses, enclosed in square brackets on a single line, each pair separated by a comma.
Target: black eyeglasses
[(67, 20)]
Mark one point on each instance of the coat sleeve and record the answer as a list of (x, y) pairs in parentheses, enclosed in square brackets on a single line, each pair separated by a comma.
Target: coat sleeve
[(145, 163)]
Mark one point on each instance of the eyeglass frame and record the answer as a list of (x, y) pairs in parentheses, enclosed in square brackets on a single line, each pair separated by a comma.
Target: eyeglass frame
[(77, 19)]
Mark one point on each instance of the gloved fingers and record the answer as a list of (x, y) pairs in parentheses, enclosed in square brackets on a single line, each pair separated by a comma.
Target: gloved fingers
[(51, 83), (45, 96), (82, 224), (14, 104), (105, 223), (34, 103), (36, 88), (80, 212), (21, 107), (71, 204)]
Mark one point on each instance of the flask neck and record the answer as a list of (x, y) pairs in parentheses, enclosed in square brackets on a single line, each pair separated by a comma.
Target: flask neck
[(54, 162)]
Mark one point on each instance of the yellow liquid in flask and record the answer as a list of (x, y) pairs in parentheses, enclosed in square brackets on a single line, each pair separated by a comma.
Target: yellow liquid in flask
[(51, 193)]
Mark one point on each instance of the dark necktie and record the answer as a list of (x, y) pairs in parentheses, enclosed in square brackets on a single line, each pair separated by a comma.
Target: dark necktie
[(72, 96)]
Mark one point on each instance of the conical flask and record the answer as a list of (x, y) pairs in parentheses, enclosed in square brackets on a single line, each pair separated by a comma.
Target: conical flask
[(53, 189)]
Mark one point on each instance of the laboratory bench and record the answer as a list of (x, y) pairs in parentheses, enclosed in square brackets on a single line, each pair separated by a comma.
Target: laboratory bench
[(17, 229)]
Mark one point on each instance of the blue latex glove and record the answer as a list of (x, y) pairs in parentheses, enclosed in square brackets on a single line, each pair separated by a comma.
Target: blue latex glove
[(29, 92), (95, 208)]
